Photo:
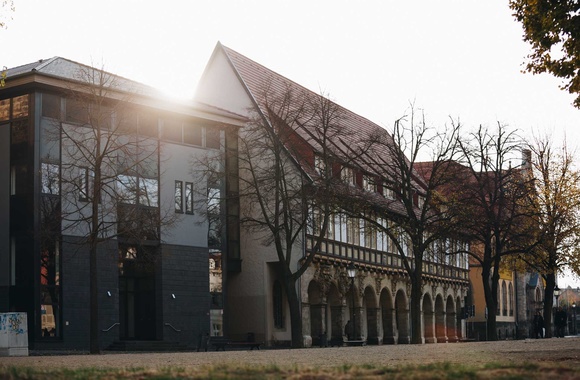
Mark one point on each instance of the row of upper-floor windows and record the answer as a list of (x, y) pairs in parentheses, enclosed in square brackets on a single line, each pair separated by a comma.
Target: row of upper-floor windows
[(129, 189), (126, 119), (371, 234), (367, 182)]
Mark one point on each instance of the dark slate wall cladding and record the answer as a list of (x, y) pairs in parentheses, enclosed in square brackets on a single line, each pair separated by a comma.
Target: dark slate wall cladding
[(75, 294), (76, 297), (185, 274), (108, 282)]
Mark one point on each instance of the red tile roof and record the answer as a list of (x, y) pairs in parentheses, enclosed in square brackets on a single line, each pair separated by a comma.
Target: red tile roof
[(356, 130)]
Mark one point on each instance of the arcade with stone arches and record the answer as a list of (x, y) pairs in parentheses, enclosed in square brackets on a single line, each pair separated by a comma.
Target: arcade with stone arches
[(379, 309)]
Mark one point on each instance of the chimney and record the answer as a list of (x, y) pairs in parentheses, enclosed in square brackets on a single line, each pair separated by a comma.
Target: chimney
[(526, 159)]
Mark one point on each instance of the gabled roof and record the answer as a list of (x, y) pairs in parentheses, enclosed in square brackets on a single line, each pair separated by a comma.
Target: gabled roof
[(254, 76), (357, 129), (61, 69)]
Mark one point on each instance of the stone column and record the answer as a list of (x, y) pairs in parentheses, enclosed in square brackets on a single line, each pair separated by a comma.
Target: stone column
[(441, 327), (452, 327), (307, 337), (358, 323), (428, 332)]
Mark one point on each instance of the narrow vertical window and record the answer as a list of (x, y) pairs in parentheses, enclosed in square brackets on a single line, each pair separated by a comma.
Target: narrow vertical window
[(278, 305), (179, 196), (85, 184), (504, 300), (347, 175), (189, 198)]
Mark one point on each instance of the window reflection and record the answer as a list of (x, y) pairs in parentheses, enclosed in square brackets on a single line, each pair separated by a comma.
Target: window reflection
[(214, 217), (50, 266), (50, 178), (148, 192)]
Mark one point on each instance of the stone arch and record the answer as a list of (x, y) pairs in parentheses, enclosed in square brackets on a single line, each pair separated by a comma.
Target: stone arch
[(336, 317), (428, 319), (440, 320), (387, 317), (371, 317), (450, 320), (317, 311), (353, 310), (402, 318)]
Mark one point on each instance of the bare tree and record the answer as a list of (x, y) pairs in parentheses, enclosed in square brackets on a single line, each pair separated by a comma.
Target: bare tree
[(555, 205), (492, 207), (108, 171), (285, 191)]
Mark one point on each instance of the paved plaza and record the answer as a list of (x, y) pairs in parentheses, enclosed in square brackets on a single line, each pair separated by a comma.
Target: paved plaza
[(474, 353)]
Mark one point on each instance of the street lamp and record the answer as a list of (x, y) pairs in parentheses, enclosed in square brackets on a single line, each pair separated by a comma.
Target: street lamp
[(574, 308), (351, 272), (557, 294)]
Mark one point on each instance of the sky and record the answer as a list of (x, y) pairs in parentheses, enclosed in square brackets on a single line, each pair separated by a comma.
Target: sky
[(454, 59)]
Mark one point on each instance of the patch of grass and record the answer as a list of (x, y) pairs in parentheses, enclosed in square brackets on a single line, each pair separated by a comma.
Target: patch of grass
[(445, 370)]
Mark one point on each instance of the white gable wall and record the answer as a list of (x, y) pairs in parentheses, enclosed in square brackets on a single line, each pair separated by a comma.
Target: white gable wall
[(219, 86)]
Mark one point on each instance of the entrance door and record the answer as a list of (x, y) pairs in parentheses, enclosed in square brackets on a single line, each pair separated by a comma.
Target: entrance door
[(136, 298)]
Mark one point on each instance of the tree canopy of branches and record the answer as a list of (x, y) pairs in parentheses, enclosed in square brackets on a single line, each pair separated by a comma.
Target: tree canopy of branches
[(414, 216), (555, 205), (553, 29), (491, 207), (6, 8)]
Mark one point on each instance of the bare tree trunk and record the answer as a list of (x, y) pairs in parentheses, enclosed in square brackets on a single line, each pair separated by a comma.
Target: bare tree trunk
[(295, 314), (416, 317), (548, 303), (489, 282)]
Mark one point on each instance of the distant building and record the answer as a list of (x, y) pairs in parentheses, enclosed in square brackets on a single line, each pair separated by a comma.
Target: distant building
[(520, 297)]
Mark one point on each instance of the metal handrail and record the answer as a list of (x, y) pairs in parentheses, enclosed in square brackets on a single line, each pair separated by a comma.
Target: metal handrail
[(110, 327), (170, 325)]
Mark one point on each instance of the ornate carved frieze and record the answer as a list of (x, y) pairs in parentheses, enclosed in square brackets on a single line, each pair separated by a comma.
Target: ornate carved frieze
[(342, 281), (378, 283), (323, 274)]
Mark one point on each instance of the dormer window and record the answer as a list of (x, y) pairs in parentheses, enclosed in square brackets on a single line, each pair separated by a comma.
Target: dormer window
[(420, 201), (369, 183), (319, 165), (388, 192), (347, 175)]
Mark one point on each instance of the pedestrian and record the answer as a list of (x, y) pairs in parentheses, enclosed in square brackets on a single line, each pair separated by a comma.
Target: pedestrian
[(347, 330), (538, 325), (560, 320)]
